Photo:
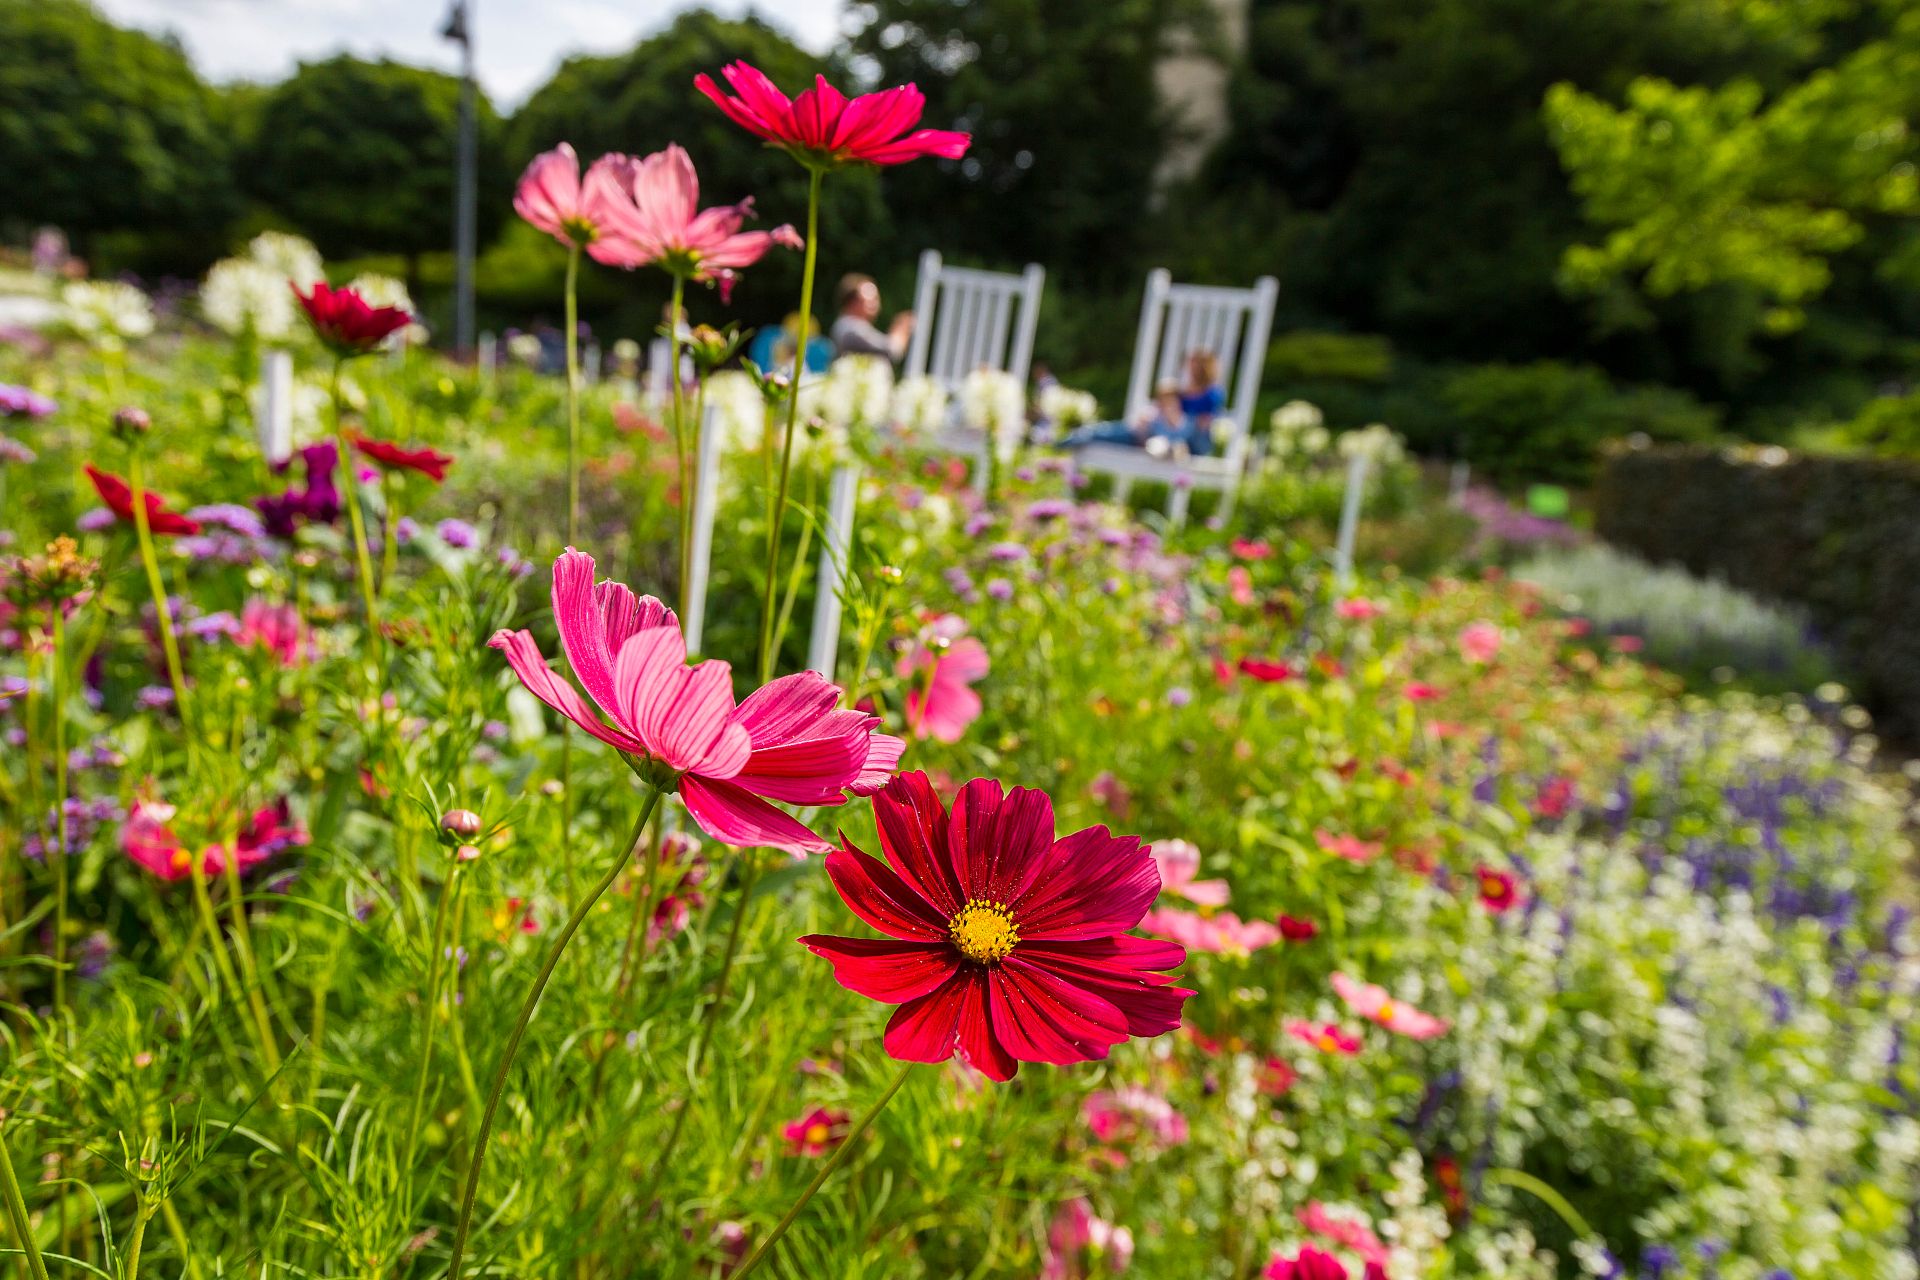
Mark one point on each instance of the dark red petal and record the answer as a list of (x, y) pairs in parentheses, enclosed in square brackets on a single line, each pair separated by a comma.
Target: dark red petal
[(999, 841), (881, 969), (913, 835), (928, 1029), (1042, 1017), (883, 899), (1092, 884), (1149, 1001)]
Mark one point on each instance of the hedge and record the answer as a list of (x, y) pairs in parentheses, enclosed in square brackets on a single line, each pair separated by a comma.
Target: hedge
[(1840, 535)]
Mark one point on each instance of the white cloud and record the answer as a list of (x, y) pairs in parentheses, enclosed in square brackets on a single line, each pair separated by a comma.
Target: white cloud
[(518, 42)]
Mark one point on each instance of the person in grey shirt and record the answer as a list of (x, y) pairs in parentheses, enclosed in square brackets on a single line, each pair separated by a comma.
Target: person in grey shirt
[(854, 331)]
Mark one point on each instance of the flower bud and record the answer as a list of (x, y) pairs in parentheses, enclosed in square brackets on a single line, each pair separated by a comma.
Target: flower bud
[(464, 823), (467, 853), (130, 421)]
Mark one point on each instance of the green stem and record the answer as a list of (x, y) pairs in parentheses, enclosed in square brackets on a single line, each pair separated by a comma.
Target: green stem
[(532, 1001), (573, 393), (1523, 1181), (58, 855), (682, 449), (243, 947), (779, 509), (158, 589), (430, 1000), (838, 1158), (350, 487), (141, 1216), (17, 1212)]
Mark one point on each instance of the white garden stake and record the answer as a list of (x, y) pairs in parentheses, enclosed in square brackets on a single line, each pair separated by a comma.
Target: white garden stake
[(590, 364), (836, 542), (485, 356), (1349, 520), (1457, 483), (706, 495), (273, 407)]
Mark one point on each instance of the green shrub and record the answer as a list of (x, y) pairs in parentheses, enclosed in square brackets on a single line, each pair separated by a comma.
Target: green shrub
[(1886, 425), (1547, 420), (1307, 355)]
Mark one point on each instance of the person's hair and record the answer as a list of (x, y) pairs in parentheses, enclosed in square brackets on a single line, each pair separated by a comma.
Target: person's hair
[(1209, 364), (851, 283), (1165, 387)]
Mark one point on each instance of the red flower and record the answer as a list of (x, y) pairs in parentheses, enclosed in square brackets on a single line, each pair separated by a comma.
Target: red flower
[(816, 1133), (1275, 1077), (1499, 891), (1004, 944), (1268, 672), (1419, 691), (1308, 1264), (823, 128), (344, 321), (1296, 930), (1248, 550), (118, 495), (149, 841), (430, 463)]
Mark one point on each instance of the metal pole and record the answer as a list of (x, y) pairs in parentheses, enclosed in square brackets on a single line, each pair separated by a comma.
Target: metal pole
[(459, 29)]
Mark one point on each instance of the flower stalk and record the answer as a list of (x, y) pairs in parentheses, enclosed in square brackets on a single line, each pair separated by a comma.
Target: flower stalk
[(777, 511)]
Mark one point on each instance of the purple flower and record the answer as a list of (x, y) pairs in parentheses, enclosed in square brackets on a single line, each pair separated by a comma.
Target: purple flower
[(978, 523), (318, 502), (19, 402), (222, 623), (999, 589), (1006, 551), (12, 450), (230, 515), (154, 696), (1049, 509), (96, 520), (405, 530), (1179, 696), (457, 534)]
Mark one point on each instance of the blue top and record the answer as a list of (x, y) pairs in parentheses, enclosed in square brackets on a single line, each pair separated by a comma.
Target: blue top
[(1203, 404)]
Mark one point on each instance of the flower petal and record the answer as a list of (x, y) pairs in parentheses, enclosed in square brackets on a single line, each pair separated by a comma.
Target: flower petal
[(951, 1018), (882, 969), (913, 835), (595, 620), (1041, 1016), (523, 655), (890, 904), (1090, 884), (739, 818), (999, 841)]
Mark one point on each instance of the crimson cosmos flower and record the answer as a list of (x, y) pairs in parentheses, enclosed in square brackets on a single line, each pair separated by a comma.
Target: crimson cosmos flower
[(1308, 1264), (118, 495), (344, 321), (430, 463), (1004, 943), (822, 128)]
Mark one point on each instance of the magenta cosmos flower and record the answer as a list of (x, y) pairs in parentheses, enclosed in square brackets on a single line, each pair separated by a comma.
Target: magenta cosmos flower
[(938, 672), (678, 724), (554, 198), (664, 225), (346, 322), (1373, 1002), (1179, 863), (823, 128), (1004, 944)]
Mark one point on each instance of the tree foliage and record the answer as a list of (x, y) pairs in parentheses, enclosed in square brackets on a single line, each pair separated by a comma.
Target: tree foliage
[(104, 129), (360, 156)]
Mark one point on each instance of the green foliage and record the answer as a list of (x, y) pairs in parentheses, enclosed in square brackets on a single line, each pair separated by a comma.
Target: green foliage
[(1834, 534), (104, 129), (1311, 356), (1547, 421), (359, 156), (1888, 424)]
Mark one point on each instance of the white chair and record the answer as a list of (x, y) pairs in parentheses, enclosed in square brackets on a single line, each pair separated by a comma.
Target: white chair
[(1176, 319), (967, 319)]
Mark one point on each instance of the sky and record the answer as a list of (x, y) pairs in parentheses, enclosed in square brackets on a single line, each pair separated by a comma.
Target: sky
[(518, 42)]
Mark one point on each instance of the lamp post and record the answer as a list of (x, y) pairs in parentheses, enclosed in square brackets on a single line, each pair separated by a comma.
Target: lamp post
[(459, 29)]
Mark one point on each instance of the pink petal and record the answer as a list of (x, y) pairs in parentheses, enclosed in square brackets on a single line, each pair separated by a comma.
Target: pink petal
[(783, 709), (683, 714), (816, 768), (523, 655), (1091, 884), (816, 112), (875, 119), (882, 969), (874, 893), (927, 142), (549, 190), (883, 757), (743, 820), (594, 621)]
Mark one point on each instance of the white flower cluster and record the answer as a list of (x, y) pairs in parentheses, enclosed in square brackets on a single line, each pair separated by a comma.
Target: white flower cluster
[(919, 405), (106, 313), (736, 409), (1066, 408), (851, 403), (1298, 429), (1378, 443), (996, 403), (253, 293)]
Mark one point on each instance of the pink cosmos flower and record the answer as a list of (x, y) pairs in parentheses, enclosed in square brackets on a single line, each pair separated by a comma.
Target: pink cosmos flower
[(662, 224), (1627, 644), (823, 128), (1275, 1077), (1347, 1232), (1222, 934), (1480, 642), (555, 199), (1373, 1002), (1081, 1246), (1240, 585), (278, 629), (938, 671), (1348, 846), (1130, 1114), (1308, 1264), (149, 840), (1265, 671), (1359, 609), (817, 1132), (1419, 691), (1499, 891), (786, 742), (1327, 1037), (1005, 944), (1179, 862), (1556, 797)]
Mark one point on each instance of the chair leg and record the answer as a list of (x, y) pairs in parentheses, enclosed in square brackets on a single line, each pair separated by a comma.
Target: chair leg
[(1121, 486), (1177, 508)]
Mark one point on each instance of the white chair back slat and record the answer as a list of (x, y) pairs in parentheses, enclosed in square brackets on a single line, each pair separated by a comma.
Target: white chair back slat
[(706, 503), (836, 543), (273, 407), (969, 319)]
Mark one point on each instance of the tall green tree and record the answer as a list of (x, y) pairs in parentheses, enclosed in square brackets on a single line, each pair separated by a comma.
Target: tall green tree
[(360, 156), (104, 130)]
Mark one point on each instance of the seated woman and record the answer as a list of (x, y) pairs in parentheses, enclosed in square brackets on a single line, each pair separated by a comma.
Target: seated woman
[(1182, 416)]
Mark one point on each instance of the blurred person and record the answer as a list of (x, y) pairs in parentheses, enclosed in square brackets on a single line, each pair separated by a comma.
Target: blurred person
[(854, 332)]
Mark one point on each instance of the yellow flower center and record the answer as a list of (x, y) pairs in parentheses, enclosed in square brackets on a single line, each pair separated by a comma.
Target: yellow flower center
[(1386, 1012), (817, 1133), (984, 931)]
